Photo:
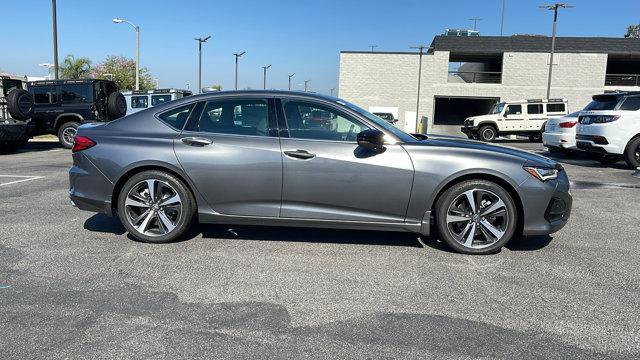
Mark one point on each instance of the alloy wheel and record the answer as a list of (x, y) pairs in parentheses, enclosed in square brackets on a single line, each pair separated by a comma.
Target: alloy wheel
[(153, 207), (477, 218), (69, 135)]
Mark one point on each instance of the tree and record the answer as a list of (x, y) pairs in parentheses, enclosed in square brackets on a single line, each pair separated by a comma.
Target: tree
[(123, 72), (73, 68), (217, 87), (633, 31)]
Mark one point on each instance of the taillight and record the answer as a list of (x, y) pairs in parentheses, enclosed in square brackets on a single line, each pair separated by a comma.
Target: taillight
[(568, 124), (82, 143)]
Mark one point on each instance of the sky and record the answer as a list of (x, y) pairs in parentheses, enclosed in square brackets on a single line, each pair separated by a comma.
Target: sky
[(301, 37)]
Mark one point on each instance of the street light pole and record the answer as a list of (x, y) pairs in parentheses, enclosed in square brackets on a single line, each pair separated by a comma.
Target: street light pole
[(555, 8), (200, 41), (373, 47), (237, 55), (306, 86), (136, 28), (421, 49), (290, 76), (504, 4), (55, 38), (475, 22), (264, 76)]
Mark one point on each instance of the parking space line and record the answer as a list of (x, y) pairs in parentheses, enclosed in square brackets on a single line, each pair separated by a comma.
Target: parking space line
[(22, 178)]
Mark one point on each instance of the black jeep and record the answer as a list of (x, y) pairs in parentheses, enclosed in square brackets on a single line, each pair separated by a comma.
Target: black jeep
[(60, 106)]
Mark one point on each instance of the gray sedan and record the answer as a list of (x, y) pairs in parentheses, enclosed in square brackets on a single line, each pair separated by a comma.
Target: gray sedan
[(297, 159)]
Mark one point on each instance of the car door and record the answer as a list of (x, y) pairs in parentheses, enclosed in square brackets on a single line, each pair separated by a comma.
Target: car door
[(229, 153), (514, 118), (46, 108), (327, 176)]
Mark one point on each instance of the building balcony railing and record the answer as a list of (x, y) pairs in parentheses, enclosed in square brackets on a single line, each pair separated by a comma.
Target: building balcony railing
[(622, 80), (483, 77)]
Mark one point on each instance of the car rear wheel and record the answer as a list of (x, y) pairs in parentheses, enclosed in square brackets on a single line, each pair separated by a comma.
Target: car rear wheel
[(67, 134), (487, 133), (476, 217), (632, 153), (156, 207)]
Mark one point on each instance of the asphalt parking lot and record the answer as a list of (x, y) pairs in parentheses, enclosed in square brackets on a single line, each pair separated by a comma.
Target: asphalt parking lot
[(72, 285)]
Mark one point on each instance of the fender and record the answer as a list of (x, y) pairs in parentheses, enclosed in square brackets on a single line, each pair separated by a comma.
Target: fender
[(488, 122), (58, 123)]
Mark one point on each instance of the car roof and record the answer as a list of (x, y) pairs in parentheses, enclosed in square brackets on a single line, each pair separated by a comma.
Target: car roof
[(64, 82), (269, 93), (618, 93)]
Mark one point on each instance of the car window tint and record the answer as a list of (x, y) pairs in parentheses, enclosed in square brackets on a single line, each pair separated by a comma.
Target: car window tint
[(159, 99), (139, 102), (514, 110), (603, 102), (319, 122), (44, 95), (177, 117), (238, 117), (534, 109), (555, 108), (76, 94), (631, 103)]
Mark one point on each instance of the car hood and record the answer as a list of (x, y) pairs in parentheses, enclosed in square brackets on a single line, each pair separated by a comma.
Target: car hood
[(527, 157), (484, 117)]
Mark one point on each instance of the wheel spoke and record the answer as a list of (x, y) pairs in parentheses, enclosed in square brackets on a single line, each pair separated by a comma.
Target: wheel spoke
[(145, 223), (468, 242), (140, 217), (492, 229), (174, 200), (470, 199), (151, 187), (498, 204), (456, 218), (134, 202), (166, 222)]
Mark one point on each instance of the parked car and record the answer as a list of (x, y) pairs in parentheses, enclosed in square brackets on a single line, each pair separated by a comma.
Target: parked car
[(61, 106), (138, 100), (196, 158), (560, 133), (609, 128), (524, 117), (388, 117), (16, 108)]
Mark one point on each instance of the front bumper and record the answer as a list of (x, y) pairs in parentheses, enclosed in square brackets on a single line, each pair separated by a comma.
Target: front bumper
[(541, 217), (469, 129)]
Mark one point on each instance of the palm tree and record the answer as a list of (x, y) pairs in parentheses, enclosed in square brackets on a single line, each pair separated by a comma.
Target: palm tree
[(73, 68)]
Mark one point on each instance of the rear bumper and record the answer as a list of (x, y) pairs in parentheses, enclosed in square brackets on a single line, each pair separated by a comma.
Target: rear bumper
[(560, 140), (591, 146), (89, 189), (547, 205)]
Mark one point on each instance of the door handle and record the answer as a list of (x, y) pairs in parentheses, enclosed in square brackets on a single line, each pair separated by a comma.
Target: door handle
[(300, 154), (196, 141)]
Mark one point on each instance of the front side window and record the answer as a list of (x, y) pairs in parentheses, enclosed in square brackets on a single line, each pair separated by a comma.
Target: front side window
[(497, 108), (534, 109), (319, 122), (514, 110), (139, 102), (45, 95), (160, 99), (76, 94), (631, 104), (177, 117), (555, 108), (237, 117)]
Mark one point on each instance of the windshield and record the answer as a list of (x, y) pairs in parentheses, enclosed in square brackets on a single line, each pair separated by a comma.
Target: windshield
[(497, 108), (403, 136), (606, 102)]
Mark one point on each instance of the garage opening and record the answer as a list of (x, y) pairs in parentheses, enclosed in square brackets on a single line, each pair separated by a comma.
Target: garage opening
[(453, 110)]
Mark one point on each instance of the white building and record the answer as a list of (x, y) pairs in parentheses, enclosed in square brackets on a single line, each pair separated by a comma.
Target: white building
[(465, 76)]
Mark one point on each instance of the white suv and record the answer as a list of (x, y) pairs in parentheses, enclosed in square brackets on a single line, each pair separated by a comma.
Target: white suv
[(610, 128)]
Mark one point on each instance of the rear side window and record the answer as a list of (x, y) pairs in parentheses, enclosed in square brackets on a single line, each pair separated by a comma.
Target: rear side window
[(555, 108), (534, 109), (45, 95), (76, 94), (238, 117), (177, 117), (159, 99), (603, 103), (139, 102), (631, 104)]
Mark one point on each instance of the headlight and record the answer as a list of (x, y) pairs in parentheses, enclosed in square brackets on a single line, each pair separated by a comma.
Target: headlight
[(541, 173)]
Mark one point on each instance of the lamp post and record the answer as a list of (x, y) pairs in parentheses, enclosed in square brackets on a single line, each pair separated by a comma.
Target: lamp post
[(290, 76), (306, 85), (237, 55), (554, 8), (136, 28), (264, 76), (55, 38), (504, 4), (475, 22), (373, 47), (421, 49), (200, 41)]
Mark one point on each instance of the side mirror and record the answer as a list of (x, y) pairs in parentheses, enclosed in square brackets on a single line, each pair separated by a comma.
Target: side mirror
[(371, 139)]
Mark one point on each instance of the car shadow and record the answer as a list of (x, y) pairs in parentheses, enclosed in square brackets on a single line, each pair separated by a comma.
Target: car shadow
[(104, 224), (35, 146), (529, 243)]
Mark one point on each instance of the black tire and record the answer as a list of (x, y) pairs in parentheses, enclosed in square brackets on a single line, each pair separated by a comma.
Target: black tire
[(116, 105), (182, 222), (632, 153), (487, 133), (535, 138), (483, 190), (20, 104), (66, 133)]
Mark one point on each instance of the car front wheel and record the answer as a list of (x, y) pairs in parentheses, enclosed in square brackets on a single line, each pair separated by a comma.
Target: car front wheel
[(476, 217), (487, 133), (156, 207)]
